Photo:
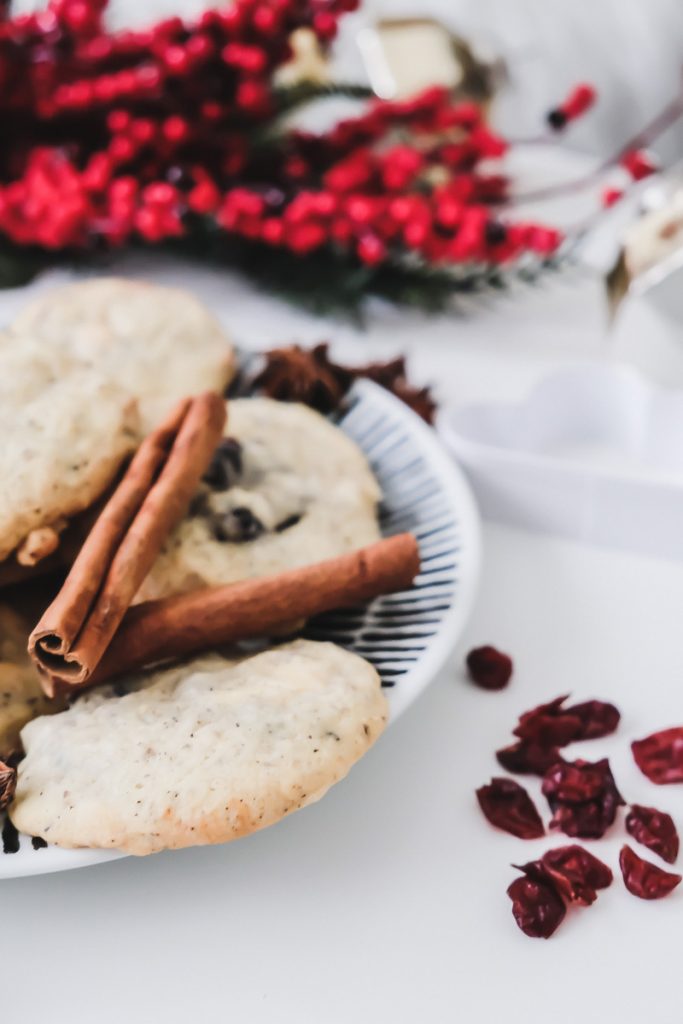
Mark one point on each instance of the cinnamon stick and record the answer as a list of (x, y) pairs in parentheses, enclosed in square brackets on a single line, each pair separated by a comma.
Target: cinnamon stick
[(152, 497), (8, 784), (214, 616)]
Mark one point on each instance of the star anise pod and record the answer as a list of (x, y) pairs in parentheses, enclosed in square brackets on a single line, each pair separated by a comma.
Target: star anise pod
[(294, 374), (297, 375)]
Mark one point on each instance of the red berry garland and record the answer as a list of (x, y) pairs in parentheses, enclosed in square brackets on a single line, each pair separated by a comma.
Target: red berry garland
[(138, 135)]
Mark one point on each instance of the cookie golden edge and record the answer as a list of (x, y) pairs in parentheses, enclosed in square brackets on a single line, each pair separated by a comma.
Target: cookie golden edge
[(100, 824)]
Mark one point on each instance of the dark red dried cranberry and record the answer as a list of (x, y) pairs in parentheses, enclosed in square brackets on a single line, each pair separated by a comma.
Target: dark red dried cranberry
[(507, 805), (526, 758), (576, 873), (660, 756), (654, 829), (597, 718), (548, 725), (583, 797), (489, 668), (644, 879), (536, 907), (552, 724)]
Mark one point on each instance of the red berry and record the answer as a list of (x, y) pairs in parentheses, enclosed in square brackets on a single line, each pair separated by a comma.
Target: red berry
[(580, 99), (121, 149), (160, 193), (251, 59), (175, 129), (211, 110), (416, 234), (303, 238), (176, 59), (149, 224), (123, 189), (97, 173), (148, 77), (265, 20), (325, 26), (204, 197), (610, 196), (371, 250), (272, 231), (341, 231), (253, 96), (638, 163), (360, 209), (143, 130)]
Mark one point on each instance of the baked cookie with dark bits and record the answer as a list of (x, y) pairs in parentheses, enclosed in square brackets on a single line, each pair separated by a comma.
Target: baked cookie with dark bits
[(86, 371), (198, 753), (286, 488)]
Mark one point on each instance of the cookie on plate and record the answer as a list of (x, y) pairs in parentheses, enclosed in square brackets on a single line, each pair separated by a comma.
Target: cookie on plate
[(159, 344), (21, 696), (85, 372), (198, 753), (64, 438), (285, 489)]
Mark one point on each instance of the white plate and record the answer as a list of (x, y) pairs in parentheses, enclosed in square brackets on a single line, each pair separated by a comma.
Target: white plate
[(408, 636)]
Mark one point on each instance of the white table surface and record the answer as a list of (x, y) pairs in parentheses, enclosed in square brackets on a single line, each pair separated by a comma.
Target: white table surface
[(386, 901)]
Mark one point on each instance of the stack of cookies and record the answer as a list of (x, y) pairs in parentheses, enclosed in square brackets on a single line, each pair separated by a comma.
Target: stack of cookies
[(216, 745)]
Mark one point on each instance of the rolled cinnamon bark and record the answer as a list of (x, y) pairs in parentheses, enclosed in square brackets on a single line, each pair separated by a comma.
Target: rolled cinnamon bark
[(214, 616), (8, 784), (152, 497)]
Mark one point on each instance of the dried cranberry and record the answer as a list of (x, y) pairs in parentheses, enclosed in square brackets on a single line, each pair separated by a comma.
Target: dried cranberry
[(548, 725), (525, 758), (644, 879), (489, 668), (552, 724), (660, 756), (537, 907), (583, 797), (507, 805), (576, 873), (597, 718), (654, 829)]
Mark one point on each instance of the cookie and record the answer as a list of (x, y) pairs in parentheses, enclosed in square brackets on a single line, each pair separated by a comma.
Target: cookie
[(64, 438), (85, 372), (159, 344), (198, 753), (21, 696), (285, 489)]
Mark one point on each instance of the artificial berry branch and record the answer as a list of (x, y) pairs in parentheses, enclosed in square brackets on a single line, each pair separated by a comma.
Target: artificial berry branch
[(632, 156), (174, 135)]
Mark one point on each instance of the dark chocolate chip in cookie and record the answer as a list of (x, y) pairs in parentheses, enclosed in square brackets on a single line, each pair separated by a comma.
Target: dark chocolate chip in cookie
[(287, 523), (199, 506), (240, 524), (225, 466)]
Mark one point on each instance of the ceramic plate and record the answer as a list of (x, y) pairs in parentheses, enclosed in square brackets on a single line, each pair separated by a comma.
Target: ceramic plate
[(407, 636)]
